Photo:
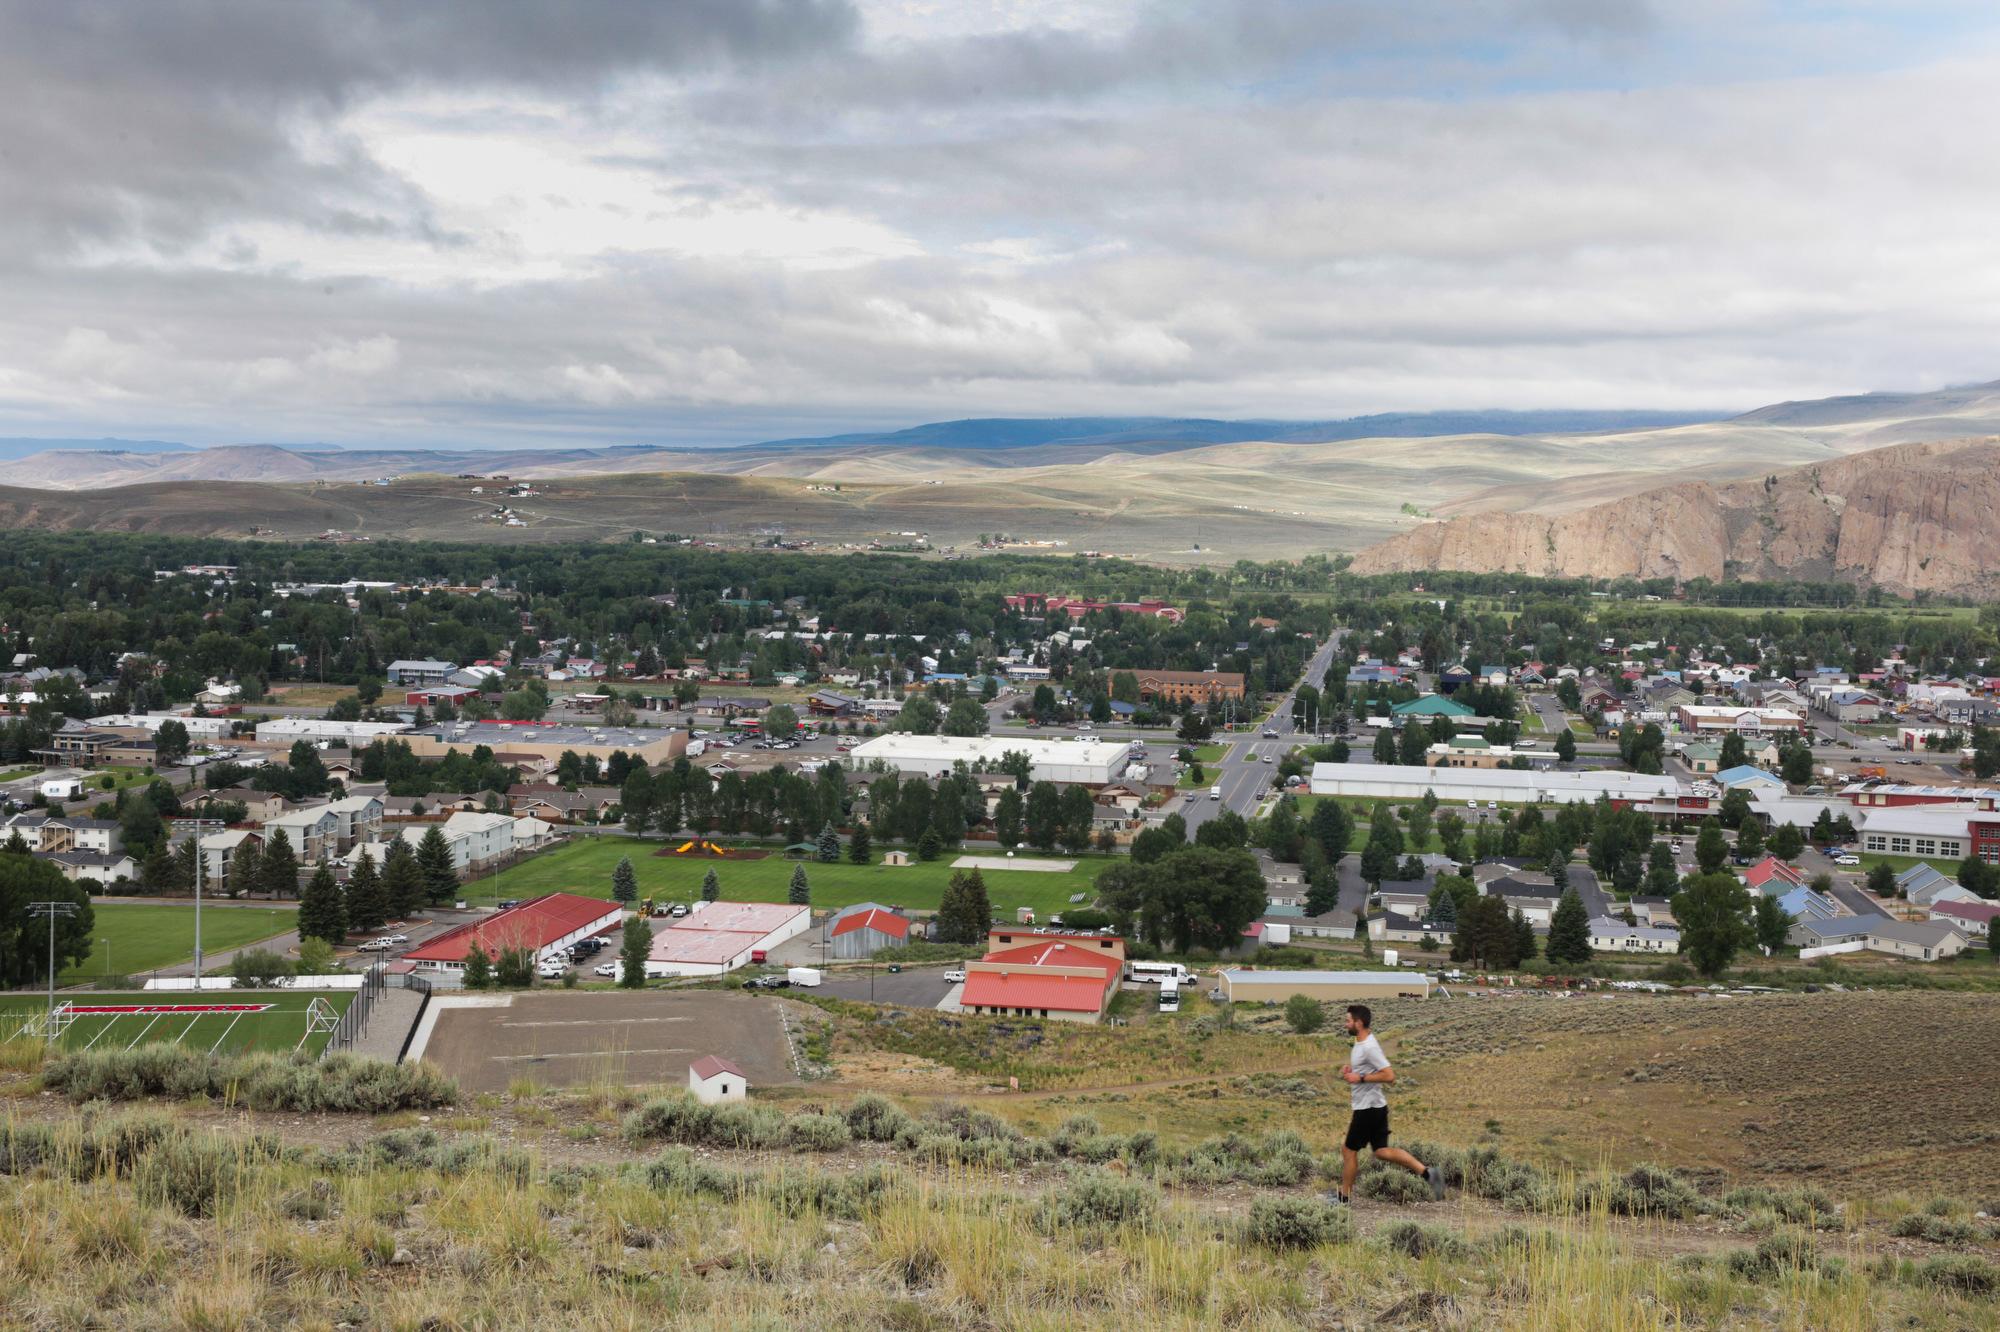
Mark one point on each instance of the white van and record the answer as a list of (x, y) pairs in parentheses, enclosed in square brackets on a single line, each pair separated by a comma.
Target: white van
[(1215, 793)]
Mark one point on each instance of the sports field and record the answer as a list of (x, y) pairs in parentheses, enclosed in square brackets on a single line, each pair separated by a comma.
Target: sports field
[(584, 866), (132, 939), (224, 1021)]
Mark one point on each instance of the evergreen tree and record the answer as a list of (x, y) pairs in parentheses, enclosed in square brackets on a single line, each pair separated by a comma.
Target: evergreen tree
[(1322, 891), (978, 907), (1524, 938), (156, 871), (634, 947), (402, 880), (1711, 849), (184, 854), (245, 868), (1009, 814), (858, 849), (1332, 828), (1787, 842), (1569, 931), (1750, 839), (1565, 746), (17, 845), (1772, 922), (478, 967), (1385, 746), (514, 969), (952, 924), (322, 914), (1734, 753), (367, 903), (711, 886), (625, 882), (1662, 874), (1044, 815), (1444, 906), (829, 846), (800, 892), (434, 861), (1078, 813), (278, 866), (928, 848)]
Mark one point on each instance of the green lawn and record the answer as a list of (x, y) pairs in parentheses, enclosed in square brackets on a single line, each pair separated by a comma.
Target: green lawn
[(584, 866), (131, 939), (280, 1026)]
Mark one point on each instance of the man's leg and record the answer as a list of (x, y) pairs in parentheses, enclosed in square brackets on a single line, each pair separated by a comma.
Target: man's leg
[(1350, 1166), (1397, 1156)]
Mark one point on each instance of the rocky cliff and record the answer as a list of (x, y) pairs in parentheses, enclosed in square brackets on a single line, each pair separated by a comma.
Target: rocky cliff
[(1913, 518)]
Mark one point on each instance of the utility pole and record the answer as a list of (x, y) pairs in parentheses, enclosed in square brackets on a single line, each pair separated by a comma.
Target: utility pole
[(200, 864), (52, 910)]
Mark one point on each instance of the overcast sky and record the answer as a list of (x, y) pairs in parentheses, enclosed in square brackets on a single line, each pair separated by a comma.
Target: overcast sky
[(712, 221)]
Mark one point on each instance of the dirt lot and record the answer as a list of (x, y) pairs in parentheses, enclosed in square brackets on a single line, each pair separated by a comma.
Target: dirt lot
[(568, 1040)]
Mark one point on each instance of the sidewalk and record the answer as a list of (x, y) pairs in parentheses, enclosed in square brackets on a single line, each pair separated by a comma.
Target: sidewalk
[(389, 1024)]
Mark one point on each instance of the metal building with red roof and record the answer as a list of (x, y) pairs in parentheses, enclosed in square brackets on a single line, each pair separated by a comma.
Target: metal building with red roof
[(542, 925)]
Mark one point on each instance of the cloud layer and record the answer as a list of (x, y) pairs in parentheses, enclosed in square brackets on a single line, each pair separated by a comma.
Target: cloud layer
[(720, 220)]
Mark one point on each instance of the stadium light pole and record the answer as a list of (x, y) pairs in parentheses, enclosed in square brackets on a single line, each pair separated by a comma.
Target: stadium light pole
[(52, 910), (200, 863)]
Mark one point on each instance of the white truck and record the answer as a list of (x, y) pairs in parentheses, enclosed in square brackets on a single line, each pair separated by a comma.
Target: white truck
[(804, 977)]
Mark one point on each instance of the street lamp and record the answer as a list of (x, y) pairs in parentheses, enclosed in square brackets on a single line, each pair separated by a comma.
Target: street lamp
[(200, 864), (107, 956), (52, 910)]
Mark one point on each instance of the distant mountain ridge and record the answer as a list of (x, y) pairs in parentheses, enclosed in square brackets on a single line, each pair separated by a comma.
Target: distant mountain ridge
[(23, 446)]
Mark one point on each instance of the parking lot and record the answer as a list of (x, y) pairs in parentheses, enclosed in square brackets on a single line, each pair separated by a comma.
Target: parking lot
[(915, 987), (570, 1038)]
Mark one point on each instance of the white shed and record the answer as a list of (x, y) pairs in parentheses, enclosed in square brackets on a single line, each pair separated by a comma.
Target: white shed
[(716, 1081)]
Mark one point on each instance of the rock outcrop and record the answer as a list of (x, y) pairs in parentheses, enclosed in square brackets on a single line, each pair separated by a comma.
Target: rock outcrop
[(1912, 518)]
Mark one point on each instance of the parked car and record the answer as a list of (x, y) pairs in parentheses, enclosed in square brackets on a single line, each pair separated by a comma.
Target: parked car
[(678, 909), (552, 969), (954, 977), (606, 969), (766, 983)]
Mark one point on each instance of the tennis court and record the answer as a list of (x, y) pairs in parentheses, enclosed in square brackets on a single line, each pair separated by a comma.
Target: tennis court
[(225, 1022)]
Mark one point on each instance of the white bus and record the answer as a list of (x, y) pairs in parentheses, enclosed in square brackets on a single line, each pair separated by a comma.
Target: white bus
[(1157, 973), (1170, 995)]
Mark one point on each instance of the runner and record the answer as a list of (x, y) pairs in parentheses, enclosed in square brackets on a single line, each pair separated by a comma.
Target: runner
[(1368, 1072)]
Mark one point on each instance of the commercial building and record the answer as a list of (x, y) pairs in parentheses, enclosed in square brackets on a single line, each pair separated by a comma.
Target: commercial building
[(1378, 781), (1241, 986), (1720, 719), (1615, 936), (1086, 762), (1189, 686), (284, 730), (426, 672), (1044, 974), (1949, 832), (715, 938), (149, 723), (544, 926), (514, 742)]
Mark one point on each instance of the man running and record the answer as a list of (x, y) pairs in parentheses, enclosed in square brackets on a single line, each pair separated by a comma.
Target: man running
[(1368, 1072)]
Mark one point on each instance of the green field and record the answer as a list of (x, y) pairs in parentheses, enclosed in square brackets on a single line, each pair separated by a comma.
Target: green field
[(584, 866), (131, 939), (280, 1027)]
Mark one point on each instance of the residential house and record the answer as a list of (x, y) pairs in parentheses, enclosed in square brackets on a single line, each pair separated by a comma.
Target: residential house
[(1924, 886), (96, 866), (1658, 911), (1972, 919), (1834, 934), (1615, 936), (1395, 928), (313, 832), (1919, 940)]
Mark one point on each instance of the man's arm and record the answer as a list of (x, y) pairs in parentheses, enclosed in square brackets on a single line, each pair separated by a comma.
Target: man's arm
[(1382, 1074)]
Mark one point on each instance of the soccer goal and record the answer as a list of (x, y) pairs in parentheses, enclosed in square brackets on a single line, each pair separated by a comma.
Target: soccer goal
[(321, 1016), (49, 1025)]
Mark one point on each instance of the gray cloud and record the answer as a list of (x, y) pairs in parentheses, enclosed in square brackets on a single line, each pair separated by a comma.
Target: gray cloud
[(727, 221)]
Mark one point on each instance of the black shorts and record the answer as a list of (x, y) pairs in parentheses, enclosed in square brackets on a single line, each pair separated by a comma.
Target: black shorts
[(1369, 1128)]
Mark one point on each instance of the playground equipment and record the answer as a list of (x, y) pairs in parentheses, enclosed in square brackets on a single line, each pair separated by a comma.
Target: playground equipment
[(700, 846)]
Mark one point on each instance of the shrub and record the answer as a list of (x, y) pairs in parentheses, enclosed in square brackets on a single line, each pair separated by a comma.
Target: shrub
[(746, 1127), (1291, 1222), (1962, 1273), (676, 1171), (850, 1197), (675, 1118), (1415, 1240), (875, 1119), (816, 1133), (1381, 1182), (193, 1174), (1780, 1253), (295, 1082), (1648, 1190), (1096, 1200), (1934, 1228), (1305, 1015)]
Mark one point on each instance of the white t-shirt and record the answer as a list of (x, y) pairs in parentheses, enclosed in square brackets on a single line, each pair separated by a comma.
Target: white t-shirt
[(1367, 1058)]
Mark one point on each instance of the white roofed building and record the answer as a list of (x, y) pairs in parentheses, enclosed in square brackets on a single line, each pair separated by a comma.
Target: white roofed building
[(1082, 762)]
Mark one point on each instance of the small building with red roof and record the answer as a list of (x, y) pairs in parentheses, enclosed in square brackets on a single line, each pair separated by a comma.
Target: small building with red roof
[(543, 925), (1773, 877), (716, 1081), (860, 931)]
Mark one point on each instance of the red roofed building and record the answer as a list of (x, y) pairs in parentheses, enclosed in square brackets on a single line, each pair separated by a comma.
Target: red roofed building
[(1780, 877), (1048, 976), (860, 930), (542, 925)]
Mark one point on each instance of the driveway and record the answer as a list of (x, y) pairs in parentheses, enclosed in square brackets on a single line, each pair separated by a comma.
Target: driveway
[(915, 987)]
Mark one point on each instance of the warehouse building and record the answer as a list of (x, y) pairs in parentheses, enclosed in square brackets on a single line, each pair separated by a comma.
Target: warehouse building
[(519, 742), (1080, 762), (356, 734), (545, 926), (1334, 987), (860, 931), (716, 938), (1072, 978), (1379, 781)]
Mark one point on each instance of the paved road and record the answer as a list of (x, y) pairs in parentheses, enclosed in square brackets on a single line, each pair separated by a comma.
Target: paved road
[(1243, 775)]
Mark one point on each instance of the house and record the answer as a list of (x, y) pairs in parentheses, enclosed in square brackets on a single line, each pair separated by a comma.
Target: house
[(1808, 904), (1773, 877), (827, 703), (219, 849), (558, 805), (101, 837), (1925, 886), (715, 1081), (1393, 927), (1533, 898), (313, 833), (1653, 910), (1836, 934), (861, 930), (1851, 705), (1972, 919), (96, 866), (475, 838), (1615, 936), (423, 672), (1919, 940)]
